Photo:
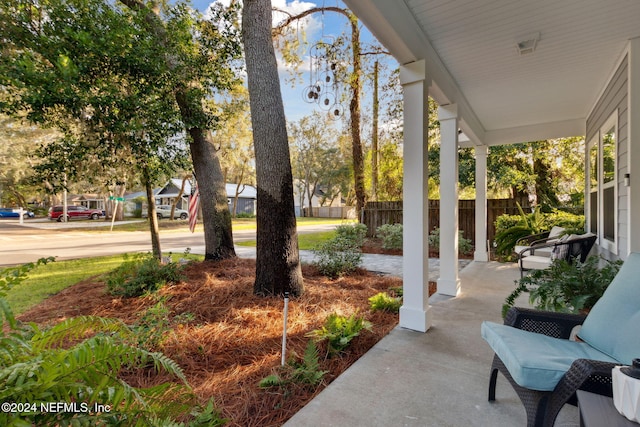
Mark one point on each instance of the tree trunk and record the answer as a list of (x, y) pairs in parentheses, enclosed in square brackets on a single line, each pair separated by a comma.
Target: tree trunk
[(374, 135), (151, 214), (277, 259), (216, 218), (354, 112)]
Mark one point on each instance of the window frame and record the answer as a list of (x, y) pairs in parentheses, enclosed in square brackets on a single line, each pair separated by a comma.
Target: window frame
[(599, 186)]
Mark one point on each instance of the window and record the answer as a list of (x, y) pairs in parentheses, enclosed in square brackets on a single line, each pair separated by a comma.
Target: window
[(602, 180)]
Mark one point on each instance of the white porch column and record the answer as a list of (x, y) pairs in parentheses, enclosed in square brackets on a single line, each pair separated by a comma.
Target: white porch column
[(634, 145), (481, 253), (415, 311), (448, 283)]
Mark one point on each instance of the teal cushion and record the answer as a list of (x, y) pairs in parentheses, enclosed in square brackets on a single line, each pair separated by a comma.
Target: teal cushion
[(613, 324), (536, 361)]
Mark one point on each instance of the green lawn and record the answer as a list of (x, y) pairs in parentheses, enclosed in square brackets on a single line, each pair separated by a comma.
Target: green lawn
[(167, 225), (49, 279), (307, 241)]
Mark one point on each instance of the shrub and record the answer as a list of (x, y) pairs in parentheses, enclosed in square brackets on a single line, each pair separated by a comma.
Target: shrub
[(464, 245), (337, 257), (352, 232), (391, 235), (385, 302), (511, 228), (339, 330), (142, 274), (565, 287), (80, 361)]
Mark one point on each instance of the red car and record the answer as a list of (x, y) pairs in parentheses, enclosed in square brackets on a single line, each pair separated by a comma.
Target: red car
[(55, 212)]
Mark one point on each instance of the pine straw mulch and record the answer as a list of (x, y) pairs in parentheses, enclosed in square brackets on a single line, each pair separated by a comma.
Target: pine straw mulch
[(235, 337)]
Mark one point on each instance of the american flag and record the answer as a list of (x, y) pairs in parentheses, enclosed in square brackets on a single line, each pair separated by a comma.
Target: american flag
[(193, 208)]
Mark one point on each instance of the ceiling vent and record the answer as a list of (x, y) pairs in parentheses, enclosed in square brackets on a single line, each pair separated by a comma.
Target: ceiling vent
[(528, 44)]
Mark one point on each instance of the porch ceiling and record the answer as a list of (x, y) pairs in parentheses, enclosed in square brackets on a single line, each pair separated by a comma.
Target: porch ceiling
[(470, 51)]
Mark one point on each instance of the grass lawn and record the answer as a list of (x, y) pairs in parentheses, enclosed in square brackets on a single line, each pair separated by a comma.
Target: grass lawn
[(49, 279), (307, 241), (138, 224)]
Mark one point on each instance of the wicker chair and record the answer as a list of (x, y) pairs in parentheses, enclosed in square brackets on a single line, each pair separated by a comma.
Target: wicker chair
[(568, 248), (533, 349), (542, 407)]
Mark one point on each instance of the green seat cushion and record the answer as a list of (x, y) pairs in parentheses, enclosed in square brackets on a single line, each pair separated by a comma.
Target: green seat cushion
[(613, 324), (536, 361)]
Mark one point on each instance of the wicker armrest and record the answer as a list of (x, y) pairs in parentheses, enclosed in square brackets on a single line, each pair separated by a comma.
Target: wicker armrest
[(558, 325), (532, 238), (593, 376)]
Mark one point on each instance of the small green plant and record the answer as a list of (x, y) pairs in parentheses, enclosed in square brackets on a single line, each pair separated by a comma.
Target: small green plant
[(142, 274), (339, 331), (385, 302), (337, 257), (391, 235), (355, 233), (564, 286), (306, 372), (464, 245)]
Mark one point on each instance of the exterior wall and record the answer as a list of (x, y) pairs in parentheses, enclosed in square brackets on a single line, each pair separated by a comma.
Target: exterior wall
[(615, 96)]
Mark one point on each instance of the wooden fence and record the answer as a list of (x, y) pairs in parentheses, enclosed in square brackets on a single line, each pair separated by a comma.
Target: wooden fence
[(379, 213)]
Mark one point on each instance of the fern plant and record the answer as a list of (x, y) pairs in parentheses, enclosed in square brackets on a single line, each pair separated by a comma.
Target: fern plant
[(339, 331), (564, 286), (385, 302), (79, 361), (306, 372)]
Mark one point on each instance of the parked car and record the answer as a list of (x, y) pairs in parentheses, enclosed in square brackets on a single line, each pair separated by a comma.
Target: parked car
[(74, 212), (15, 213), (164, 211)]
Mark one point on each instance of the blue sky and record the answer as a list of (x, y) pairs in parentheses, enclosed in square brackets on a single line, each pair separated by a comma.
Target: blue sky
[(317, 27)]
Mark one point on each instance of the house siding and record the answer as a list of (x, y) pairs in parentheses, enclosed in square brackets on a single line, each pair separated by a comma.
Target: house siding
[(615, 97)]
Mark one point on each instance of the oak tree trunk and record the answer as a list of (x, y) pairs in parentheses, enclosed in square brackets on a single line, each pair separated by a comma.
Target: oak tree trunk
[(277, 259)]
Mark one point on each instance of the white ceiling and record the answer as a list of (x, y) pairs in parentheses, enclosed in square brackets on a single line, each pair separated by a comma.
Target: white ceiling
[(470, 52)]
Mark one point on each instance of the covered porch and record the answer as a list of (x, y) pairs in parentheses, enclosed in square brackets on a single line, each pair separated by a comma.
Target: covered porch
[(439, 378), (504, 72)]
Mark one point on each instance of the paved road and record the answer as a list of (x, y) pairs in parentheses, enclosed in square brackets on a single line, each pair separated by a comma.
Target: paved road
[(37, 239)]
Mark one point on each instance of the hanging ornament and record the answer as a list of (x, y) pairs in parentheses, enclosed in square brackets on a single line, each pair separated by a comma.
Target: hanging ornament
[(323, 87)]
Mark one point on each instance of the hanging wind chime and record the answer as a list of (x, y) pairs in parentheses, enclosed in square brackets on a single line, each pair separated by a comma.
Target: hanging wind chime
[(323, 86)]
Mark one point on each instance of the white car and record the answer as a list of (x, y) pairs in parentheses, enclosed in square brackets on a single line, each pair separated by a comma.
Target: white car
[(164, 211)]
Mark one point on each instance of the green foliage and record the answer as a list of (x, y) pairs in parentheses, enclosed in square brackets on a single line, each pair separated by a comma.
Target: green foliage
[(566, 287), (305, 372), (142, 274), (338, 256), (511, 228), (10, 277), (339, 330), (464, 245), (154, 322), (385, 302), (79, 361), (391, 235), (355, 233)]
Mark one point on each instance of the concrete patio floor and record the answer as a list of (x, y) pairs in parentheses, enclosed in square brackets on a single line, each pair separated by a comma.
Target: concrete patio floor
[(439, 378)]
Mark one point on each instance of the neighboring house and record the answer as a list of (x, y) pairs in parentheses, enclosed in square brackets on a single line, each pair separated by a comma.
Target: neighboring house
[(246, 198), (91, 201), (506, 72), (301, 201)]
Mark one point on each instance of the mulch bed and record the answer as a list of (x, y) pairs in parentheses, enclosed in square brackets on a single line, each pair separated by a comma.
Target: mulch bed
[(233, 338)]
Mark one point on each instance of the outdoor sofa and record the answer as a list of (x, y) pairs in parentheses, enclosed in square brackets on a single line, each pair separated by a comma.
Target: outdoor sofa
[(546, 358)]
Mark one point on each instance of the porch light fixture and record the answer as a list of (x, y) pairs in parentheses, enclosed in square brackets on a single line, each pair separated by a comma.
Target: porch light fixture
[(627, 180), (528, 44)]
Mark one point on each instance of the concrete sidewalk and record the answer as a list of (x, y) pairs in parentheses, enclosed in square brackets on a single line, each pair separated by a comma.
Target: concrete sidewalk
[(439, 378)]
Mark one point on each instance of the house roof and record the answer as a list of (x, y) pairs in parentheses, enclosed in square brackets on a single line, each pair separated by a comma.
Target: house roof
[(469, 47)]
